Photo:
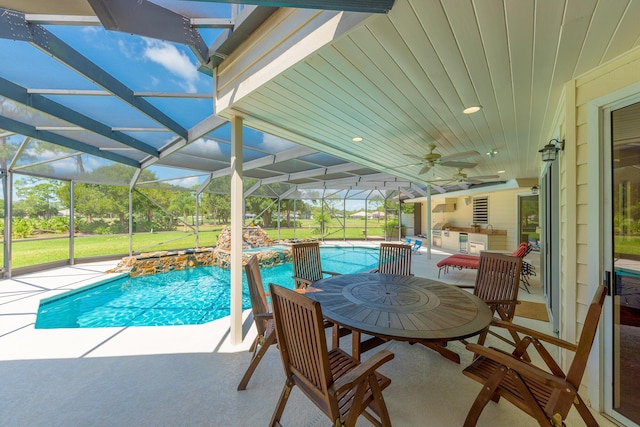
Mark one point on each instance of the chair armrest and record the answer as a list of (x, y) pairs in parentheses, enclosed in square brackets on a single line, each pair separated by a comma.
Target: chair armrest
[(535, 334), (465, 286), (523, 368), (264, 316), (331, 273), (362, 371), (301, 280), (501, 301)]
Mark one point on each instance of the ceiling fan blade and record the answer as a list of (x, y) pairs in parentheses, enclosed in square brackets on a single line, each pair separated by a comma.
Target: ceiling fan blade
[(424, 169), (458, 156), (414, 156), (459, 165), (485, 177)]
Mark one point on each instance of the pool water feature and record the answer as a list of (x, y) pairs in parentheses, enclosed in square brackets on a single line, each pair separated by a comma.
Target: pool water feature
[(185, 297)]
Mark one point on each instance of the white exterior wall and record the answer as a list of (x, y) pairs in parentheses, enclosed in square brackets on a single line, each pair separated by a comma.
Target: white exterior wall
[(503, 212)]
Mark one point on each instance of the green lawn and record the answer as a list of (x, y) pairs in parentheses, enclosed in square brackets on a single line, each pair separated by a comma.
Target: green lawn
[(627, 245), (33, 251)]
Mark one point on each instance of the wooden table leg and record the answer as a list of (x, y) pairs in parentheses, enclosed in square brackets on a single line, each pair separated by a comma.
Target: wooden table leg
[(355, 345), (443, 350)]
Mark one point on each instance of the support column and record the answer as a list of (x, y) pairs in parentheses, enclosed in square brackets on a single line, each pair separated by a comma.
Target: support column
[(279, 214), (295, 218), (130, 221), (429, 242), (366, 218), (7, 187), (236, 231), (197, 220), (72, 224)]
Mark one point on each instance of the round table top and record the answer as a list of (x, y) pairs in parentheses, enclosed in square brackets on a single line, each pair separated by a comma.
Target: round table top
[(401, 307)]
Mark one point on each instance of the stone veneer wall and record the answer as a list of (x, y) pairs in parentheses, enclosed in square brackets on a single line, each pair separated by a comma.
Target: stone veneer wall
[(166, 261), (252, 237)]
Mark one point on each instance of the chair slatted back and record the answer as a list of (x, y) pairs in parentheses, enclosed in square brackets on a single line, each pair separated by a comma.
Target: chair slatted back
[(258, 297), (302, 342), (498, 279), (306, 261), (588, 334), (395, 259)]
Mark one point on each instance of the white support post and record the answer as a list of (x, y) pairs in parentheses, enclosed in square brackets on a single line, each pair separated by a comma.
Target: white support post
[(429, 242), (72, 224), (236, 231)]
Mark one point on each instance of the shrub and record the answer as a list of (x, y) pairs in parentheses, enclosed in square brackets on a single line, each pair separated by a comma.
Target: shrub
[(22, 228)]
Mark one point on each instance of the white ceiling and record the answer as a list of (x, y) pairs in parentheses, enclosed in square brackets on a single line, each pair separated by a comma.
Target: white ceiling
[(401, 81)]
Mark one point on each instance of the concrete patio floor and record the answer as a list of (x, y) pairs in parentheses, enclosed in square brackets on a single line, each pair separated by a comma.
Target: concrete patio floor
[(187, 375)]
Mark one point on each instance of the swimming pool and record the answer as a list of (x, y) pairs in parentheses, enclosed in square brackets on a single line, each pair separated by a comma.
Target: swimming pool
[(186, 297)]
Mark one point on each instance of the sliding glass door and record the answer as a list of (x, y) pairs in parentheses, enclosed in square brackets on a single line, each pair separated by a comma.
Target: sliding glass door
[(625, 257)]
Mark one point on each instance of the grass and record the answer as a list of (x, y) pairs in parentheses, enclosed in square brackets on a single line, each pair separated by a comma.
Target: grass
[(33, 251)]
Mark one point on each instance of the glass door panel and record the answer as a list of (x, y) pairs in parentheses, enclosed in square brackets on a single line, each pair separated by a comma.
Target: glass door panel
[(626, 256)]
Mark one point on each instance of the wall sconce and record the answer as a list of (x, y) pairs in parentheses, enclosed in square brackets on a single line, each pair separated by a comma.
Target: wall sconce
[(534, 189), (550, 151)]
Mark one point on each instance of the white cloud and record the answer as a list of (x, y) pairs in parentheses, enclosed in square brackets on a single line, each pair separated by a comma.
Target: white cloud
[(189, 182), (176, 62), (210, 147), (125, 49), (275, 144)]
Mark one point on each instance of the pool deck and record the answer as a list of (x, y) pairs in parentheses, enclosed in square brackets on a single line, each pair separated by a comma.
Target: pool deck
[(187, 375)]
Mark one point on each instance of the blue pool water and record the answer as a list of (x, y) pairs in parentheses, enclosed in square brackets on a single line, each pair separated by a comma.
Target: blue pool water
[(186, 297)]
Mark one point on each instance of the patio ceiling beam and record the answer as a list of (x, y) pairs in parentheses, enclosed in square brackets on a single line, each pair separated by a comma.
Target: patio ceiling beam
[(43, 104), (293, 153), (253, 188), (54, 138), (86, 21), (98, 92), (372, 179), (151, 20), (312, 173), (353, 184), (207, 125), (415, 189), (286, 193), (368, 6), (44, 19), (13, 26)]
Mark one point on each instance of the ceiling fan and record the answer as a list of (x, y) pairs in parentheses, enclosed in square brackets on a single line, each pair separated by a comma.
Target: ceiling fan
[(461, 177), (432, 159)]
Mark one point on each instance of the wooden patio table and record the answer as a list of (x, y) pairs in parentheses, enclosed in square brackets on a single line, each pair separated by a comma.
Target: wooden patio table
[(404, 308)]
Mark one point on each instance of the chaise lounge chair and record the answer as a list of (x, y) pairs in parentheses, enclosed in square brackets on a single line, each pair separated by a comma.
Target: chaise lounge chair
[(472, 262)]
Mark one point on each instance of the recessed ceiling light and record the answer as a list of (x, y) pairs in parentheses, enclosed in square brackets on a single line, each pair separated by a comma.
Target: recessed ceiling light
[(472, 109), (501, 172), (357, 139)]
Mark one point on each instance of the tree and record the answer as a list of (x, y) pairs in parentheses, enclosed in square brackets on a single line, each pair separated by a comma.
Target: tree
[(39, 196), (262, 206), (218, 205), (183, 203), (322, 219)]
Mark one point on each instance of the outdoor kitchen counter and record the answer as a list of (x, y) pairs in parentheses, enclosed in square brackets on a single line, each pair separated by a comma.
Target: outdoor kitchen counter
[(480, 231), (477, 241)]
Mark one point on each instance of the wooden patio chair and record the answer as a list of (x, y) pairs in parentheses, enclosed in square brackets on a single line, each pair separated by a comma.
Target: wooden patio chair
[(547, 394), (394, 259), (262, 318), (334, 381), (307, 267), (497, 284)]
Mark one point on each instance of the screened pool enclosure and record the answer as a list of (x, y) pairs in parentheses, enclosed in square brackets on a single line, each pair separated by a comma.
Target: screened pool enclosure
[(110, 144)]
